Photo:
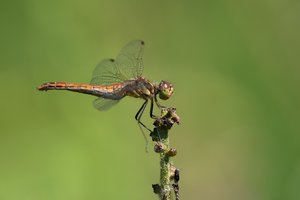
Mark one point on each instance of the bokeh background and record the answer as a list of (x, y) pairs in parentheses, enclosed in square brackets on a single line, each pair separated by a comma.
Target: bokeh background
[(235, 67)]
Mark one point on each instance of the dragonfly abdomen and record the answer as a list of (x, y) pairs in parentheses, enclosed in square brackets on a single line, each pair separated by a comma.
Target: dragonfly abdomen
[(110, 91), (114, 91)]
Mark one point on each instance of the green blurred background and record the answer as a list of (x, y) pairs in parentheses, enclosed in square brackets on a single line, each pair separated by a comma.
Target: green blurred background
[(235, 67)]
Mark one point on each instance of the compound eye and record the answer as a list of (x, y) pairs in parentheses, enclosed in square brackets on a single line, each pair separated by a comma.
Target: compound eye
[(165, 90)]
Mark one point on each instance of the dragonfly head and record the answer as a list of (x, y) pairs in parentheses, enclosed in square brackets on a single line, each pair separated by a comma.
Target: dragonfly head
[(165, 90)]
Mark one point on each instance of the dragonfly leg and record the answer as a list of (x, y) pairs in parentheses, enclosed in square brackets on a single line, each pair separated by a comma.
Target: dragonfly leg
[(151, 110), (139, 114), (158, 104), (138, 119)]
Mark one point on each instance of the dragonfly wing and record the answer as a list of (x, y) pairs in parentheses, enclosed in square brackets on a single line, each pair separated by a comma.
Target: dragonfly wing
[(130, 59), (128, 65), (104, 104), (107, 73)]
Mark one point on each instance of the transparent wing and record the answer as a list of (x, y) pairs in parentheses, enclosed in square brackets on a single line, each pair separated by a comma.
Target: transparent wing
[(130, 59), (107, 73), (128, 65), (104, 104)]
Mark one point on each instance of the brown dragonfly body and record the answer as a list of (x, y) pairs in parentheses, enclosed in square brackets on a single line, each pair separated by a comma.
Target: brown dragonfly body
[(114, 79), (139, 88)]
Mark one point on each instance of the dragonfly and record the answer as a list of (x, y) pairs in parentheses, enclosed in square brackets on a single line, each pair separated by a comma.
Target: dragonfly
[(114, 79)]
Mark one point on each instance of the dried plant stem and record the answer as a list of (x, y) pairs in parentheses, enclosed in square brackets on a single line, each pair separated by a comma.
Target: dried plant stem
[(168, 172)]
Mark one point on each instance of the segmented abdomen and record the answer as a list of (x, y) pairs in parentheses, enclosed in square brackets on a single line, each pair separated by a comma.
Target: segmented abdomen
[(113, 91)]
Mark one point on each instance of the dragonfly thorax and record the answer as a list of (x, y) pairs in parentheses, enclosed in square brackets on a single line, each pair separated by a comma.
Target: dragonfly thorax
[(140, 88)]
